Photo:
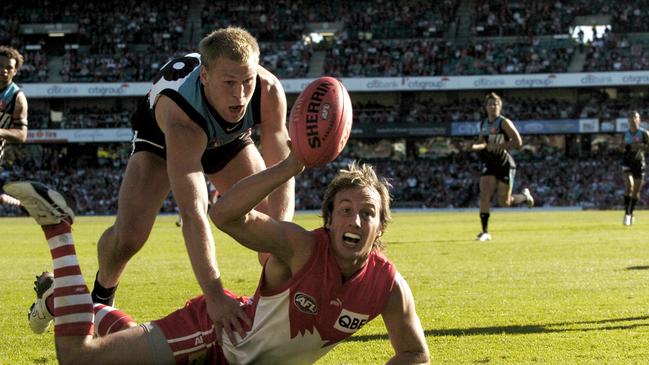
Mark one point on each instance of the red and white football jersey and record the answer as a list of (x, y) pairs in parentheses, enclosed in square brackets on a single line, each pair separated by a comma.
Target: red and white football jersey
[(299, 322), (296, 323)]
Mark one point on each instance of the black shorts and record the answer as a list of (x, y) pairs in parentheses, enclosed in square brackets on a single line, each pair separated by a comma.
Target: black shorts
[(504, 173), (147, 136), (635, 169)]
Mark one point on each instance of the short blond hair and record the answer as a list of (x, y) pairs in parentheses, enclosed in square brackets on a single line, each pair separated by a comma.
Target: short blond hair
[(233, 43), (359, 176), (12, 53)]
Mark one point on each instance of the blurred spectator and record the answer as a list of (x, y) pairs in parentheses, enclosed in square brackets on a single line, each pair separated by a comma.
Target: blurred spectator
[(443, 182), (426, 57)]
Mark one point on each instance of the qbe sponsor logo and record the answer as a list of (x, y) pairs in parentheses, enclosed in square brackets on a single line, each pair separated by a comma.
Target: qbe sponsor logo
[(350, 322)]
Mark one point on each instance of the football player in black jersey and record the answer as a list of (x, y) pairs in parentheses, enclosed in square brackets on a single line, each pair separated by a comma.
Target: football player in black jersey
[(13, 108), (196, 121), (497, 136), (636, 140)]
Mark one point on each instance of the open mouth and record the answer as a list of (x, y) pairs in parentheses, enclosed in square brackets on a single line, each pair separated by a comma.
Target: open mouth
[(351, 238), (236, 109)]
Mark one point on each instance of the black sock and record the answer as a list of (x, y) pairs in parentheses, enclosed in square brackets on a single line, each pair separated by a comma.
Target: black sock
[(484, 219), (103, 295), (632, 205), (627, 201)]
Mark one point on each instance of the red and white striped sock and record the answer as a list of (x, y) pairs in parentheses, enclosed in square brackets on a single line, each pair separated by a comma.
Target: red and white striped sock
[(110, 320), (73, 311), (9, 200)]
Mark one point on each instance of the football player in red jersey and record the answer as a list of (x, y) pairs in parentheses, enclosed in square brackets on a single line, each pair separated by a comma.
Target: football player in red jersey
[(317, 287)]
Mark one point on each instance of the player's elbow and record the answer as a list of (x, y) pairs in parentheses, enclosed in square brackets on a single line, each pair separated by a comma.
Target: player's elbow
[(221, 219), (20, 137)]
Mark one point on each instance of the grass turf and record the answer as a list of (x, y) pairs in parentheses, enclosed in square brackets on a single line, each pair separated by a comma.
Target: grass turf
[(552, 287)]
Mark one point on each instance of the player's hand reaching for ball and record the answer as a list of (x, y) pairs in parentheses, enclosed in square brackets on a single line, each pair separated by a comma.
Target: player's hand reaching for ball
[(228, 317), (293, 161)]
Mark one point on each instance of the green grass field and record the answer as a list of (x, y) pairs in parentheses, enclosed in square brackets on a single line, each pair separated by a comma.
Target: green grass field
[(552, 287)]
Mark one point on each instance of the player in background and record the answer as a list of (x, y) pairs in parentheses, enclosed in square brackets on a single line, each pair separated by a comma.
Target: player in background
[(317, 287), (197, 121), (13, 108), (636, 140), (497, 137)]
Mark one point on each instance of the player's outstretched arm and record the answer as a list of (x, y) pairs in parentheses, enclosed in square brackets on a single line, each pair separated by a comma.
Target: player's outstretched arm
[(234, 212), (186, 142), (273, 136), (403, 325), (17, 131)]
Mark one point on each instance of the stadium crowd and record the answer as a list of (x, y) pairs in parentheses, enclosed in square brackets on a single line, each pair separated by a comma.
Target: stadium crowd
[(128, 40), (422, 110), (426, 57), (548, 17), (450, 181)]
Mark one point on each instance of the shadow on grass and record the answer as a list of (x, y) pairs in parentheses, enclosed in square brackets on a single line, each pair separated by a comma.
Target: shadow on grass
[(583, 326), (463, 240), (645, 267)]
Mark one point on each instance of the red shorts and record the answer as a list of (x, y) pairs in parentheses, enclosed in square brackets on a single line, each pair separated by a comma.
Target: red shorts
[(190, 335)]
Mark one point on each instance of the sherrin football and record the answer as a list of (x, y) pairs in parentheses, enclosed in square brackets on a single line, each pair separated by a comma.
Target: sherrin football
[(320, 121)]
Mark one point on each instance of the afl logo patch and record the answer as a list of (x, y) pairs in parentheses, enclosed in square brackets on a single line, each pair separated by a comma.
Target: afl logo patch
[(324, 111), (305, 303)]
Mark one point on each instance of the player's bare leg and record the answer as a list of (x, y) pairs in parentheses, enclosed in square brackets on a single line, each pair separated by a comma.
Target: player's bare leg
[(487, 189), (75, 318), (635, 195), (507, 199), (629, 189), (141, 194), (247, 162)]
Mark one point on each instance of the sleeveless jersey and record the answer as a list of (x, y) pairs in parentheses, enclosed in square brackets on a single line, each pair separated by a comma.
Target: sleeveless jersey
[(494, 133), (179, 79), (300, 321), (633, 147), (7, 105)]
